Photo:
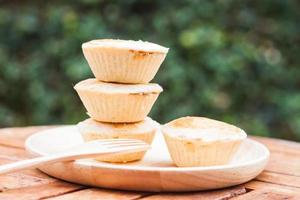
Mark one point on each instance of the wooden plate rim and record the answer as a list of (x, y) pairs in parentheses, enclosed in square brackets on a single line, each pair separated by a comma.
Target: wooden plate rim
[(263, 157)]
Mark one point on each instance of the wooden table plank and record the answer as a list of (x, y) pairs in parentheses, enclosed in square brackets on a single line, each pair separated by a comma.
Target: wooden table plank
[(28, 184), (285, 156), (39, 191), (12, 154), (16, 137), (101, 194), (260, 185), (284, 163), (280, 179), (19, 180), (278, 145), (205, 195), (267, 195)]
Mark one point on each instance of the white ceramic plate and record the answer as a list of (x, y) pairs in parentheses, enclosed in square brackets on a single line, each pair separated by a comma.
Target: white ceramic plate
[(155, 172)]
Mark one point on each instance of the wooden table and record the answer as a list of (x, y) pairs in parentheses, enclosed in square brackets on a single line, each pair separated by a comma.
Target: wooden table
[(280, 180)]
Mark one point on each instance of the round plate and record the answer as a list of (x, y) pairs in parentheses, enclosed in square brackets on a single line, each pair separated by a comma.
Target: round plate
[(156, 172)]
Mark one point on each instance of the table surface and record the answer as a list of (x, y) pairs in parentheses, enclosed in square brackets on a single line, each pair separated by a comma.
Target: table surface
[(280, 179)]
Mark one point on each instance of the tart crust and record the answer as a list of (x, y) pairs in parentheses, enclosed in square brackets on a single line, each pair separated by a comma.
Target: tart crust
[(199, 141)]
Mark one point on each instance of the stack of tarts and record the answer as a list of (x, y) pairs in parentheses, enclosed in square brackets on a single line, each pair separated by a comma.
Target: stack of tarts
[(119, 99)]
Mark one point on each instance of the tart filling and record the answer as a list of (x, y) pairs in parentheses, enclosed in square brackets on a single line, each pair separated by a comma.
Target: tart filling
[(204, 129), (94, 85), (126, 44)]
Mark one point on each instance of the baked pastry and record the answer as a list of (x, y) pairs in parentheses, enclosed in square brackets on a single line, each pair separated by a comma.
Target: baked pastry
[(111, 102), (143, 130), (199, 141), (124, 61)]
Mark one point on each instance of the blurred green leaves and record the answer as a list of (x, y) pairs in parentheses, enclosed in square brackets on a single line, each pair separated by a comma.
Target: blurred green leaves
[(236, 61)]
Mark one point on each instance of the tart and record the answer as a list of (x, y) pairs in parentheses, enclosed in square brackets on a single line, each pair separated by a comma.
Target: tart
[(199, 141), (143, 130), (111, 102), (124, 61)]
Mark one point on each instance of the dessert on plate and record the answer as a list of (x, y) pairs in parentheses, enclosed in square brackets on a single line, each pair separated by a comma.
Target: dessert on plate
[(124, 61), (119, 99), (199, 141), (143, 130), (111, 102)]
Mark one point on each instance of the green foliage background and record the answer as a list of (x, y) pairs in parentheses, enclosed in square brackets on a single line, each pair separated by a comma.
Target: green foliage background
[(236, 61)]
